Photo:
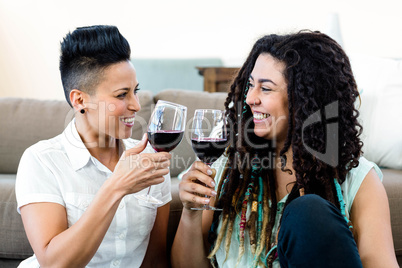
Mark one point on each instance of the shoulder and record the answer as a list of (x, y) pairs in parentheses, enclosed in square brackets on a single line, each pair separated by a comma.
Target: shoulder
[(39, 159), (44, 147), (354, 179), (362, 169)]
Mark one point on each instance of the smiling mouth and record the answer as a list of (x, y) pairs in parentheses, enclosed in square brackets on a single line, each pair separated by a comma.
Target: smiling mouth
[(260, 116), (127, 120)]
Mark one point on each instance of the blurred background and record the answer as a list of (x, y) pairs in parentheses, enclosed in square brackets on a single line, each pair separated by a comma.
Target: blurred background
[(208, 32)]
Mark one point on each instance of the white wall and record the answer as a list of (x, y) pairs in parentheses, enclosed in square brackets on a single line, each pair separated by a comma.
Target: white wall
[(30, 31)]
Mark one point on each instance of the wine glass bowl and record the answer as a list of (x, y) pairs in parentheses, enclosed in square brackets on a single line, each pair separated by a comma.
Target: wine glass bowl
[(208, 138), (165, 131), (166, 126)]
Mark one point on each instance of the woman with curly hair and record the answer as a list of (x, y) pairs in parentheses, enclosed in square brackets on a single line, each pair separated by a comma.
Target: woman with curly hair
[(295, 190)]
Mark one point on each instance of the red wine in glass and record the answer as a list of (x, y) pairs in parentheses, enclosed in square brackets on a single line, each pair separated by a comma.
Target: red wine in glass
[(165, 140), (208, 150)]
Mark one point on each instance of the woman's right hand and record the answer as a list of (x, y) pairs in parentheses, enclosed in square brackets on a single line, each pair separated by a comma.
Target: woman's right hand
[(135, 172), (195, 184)]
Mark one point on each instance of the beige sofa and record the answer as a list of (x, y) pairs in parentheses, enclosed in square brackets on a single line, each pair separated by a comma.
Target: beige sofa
[(26, 121)]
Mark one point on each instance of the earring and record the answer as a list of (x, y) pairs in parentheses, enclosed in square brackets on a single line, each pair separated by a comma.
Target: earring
[(82, 111)]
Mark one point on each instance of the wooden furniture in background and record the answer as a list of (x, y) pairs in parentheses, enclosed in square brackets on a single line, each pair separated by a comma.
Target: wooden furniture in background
[(217, 79)]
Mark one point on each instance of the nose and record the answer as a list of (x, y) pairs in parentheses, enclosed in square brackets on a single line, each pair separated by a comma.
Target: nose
[(252, 97), (134, 103)]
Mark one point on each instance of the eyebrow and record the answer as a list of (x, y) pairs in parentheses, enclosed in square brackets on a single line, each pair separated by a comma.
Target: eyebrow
[(263, 80), (126, 88)]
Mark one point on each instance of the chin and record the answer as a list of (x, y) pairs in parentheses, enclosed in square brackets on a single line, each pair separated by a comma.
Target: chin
[(123, 134), (126, 136), (262, 134)]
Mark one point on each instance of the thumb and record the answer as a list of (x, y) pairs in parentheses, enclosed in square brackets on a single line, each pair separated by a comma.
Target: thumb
[(140, 146)]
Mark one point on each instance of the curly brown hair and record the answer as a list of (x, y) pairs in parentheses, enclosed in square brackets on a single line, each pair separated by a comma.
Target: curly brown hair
[(318, 76)]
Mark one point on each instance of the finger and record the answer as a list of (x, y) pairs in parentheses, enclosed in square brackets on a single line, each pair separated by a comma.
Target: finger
[(193, 175), (162, 156), (147, 163), (158, 172), (164, 164), (151, 181), (213, 173), (204, 168), (148, 166), (139, 147), (196, 188), (192, 199)]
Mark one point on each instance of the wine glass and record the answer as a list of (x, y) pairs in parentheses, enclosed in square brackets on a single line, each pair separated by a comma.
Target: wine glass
[(165, 132), (208, 138)]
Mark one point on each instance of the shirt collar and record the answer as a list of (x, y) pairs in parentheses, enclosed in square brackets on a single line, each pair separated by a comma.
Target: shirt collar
[(75, 147), (78, 153)]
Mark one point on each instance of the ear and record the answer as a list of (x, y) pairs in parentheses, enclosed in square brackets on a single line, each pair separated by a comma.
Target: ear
[(77, 99)]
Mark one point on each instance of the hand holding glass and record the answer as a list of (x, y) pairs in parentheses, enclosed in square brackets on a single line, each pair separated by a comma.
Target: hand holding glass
[(208, 138), (165, 132)]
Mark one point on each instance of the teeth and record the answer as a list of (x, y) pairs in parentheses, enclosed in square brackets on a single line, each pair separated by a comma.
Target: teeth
[(260, 116), (128, 120)]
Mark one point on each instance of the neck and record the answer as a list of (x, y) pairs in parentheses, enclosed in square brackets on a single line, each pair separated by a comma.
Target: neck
[(284, 180), (103, 147)]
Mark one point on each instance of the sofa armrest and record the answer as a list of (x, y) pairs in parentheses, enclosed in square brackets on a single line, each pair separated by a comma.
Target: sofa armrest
[(393, 185)]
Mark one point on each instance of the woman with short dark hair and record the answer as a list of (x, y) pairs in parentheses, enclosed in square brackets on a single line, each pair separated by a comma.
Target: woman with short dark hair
[(75, 191)]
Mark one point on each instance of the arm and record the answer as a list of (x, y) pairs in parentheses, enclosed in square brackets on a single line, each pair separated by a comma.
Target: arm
[(190, 247), (56, 245), (156, 252), (371, 221), (46, 224)]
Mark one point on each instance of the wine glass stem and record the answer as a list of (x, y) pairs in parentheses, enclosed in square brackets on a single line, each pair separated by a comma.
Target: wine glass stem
[(149, 190), (206, 206)]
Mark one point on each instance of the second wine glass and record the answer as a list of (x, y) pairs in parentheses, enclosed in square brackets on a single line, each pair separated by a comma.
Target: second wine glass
[(208, 138), (165, 131)]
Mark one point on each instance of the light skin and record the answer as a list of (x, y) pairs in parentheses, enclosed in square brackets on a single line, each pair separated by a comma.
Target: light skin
[(56, 245), (268, 96)]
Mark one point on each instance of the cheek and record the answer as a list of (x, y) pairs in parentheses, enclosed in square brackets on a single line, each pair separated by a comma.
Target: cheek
[(116, 109), (284, 106), (284, 116)]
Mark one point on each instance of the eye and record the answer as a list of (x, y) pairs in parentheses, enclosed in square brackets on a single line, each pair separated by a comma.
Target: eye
[(122, 95), (136, 90), (265, 89), (250, 84)]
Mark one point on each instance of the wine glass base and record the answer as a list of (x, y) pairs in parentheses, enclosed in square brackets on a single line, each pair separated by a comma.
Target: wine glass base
[(148, 199), (207, 208)]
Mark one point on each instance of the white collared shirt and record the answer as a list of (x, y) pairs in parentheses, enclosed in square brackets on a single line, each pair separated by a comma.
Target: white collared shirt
[(61, 170)]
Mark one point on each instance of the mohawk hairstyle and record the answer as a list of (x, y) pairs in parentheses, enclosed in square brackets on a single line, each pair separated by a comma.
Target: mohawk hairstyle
[(86, 53)]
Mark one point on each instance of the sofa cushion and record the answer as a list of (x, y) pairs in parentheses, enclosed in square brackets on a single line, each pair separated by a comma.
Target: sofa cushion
[(379, 81), (13, 241), (393, 185), (176, 208), (44, 119), (27, 121), (183, 155)]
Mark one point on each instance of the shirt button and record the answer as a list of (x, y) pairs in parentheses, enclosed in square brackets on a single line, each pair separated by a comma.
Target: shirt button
[(121, 205), (116, 263), (122, 236)]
